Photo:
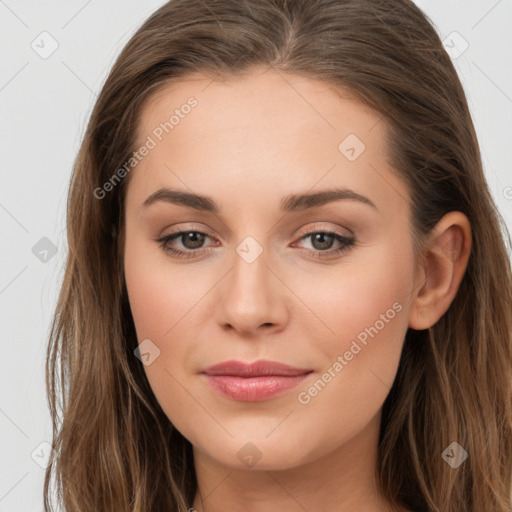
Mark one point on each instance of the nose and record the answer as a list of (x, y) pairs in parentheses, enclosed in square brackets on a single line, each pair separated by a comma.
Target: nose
[(252, 298)]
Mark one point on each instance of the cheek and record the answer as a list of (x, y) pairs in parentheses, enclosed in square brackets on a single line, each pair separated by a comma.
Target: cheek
[(367, 310), (354, 296), (159, 294), (165, 302), (363, 313), (159, 302)]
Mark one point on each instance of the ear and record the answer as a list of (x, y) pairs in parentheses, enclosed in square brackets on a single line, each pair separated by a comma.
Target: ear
[(440, 271)]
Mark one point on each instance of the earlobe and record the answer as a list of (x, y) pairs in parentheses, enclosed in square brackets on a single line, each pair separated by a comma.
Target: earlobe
[(445, 259)]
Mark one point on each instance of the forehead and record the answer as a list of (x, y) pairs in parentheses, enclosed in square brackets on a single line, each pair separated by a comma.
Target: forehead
[(274, 130), (263, 102)]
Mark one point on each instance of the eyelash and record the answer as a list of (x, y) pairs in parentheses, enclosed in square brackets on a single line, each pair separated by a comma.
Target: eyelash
[(347, 242)]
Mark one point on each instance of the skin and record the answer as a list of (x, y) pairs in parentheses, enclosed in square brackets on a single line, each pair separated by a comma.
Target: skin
[(250, 142)]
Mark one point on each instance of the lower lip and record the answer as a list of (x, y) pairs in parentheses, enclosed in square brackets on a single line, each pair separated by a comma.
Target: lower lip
[(254, 389)]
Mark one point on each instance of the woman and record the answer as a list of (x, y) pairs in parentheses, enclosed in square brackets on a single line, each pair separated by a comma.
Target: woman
[(287, 285)]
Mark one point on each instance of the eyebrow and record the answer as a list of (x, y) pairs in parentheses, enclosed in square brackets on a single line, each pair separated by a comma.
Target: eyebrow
[(291, 203)]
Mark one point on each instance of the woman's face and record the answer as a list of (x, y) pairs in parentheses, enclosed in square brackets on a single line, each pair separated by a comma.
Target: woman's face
[(274, 265)]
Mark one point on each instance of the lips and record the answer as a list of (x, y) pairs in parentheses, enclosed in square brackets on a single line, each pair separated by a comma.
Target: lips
[(254, 382), (260, 368)]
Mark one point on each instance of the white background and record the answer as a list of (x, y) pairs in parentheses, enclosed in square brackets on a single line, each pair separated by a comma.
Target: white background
[(44, 108)]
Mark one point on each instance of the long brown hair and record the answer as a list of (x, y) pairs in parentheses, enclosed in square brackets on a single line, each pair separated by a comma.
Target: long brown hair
[(114, 448)]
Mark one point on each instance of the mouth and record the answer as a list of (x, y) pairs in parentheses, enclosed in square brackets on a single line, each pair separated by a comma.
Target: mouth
[(253, 382)]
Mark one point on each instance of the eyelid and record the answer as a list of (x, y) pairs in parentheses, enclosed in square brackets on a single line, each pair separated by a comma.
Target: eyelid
[(322, 227), (187, 228)]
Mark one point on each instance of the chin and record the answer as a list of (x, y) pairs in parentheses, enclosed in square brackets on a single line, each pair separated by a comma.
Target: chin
[(260, 452)]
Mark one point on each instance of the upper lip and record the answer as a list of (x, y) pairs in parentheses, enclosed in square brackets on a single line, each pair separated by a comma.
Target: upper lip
[(259, 368)]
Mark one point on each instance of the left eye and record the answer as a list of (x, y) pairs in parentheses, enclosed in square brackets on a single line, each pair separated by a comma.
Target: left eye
[(193, 241), (321, 240)]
